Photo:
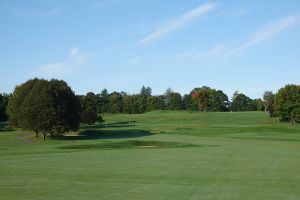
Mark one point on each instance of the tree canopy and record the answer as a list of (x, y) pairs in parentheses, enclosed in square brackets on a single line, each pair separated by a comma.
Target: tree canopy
[(287, 103), (44, 107), (208, 99), (240, 102)]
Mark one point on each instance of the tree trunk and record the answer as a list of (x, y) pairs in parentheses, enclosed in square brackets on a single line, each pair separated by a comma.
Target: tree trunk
[(36, 134), (44, 135)]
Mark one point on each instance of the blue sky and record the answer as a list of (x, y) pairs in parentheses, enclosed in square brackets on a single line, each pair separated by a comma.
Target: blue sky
[(249, 46)]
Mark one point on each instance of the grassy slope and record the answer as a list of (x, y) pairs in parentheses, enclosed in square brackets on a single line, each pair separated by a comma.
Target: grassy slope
[(205, 156)]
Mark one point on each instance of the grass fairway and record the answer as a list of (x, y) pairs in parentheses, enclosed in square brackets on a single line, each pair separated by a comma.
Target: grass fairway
[(158, 155)]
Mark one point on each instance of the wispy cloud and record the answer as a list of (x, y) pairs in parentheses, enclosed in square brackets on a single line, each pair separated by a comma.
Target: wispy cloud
[(35, 13), (177, 23), (266, 33), (65, 67), (54, 69), (230, 48)]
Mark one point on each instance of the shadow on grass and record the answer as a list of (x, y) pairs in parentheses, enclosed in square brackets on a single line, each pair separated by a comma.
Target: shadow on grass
[(122, 124), (4, 127), (134, 144), (105, 134)]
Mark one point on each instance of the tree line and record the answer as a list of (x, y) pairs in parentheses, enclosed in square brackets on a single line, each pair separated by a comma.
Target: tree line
[(204, 99), (51, 107)]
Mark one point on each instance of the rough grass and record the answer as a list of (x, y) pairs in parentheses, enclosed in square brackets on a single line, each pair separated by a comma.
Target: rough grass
[(159, 155)]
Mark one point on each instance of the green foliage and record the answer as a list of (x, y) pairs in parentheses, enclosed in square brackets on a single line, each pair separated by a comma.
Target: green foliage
[(16, 110), (241, 102), (188, 103), (88, 117), (269, 100), (208, 99), (260, 105), (146, 92), (44, 107), (156, 103), (129, 103), (116, 102), (3, 104), (141, 104), (203, 99), (174, 101), (287, 103)]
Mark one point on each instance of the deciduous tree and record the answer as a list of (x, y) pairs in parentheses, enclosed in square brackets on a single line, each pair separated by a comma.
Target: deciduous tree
[(44, 106), (287, 103)]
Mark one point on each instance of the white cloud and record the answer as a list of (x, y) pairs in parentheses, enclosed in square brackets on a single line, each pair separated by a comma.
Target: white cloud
[(66, 67), (228, 49), (177, 23)]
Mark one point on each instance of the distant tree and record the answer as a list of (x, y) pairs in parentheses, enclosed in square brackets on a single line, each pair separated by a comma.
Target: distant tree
[(115, 102), (167, 94), (168, 91), (260, 105), (218, 100), (174, 101), (48, 107), (208, 99), (241, 102), (287, 103), (269, 100), (135, 108), (104, 93), (146, 92), (140, 104), (156, 103), (88, 117), (129, 101), (151, 103), (3, 104), (91, 102), (200, 97), (188, 103), (104, 96)]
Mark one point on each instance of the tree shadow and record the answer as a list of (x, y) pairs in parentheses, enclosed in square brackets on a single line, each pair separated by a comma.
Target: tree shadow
[(122, 124), (4, 127), (105, 134), (135, 144)]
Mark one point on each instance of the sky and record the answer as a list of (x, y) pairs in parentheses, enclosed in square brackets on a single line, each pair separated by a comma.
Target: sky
[(121, 45)]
